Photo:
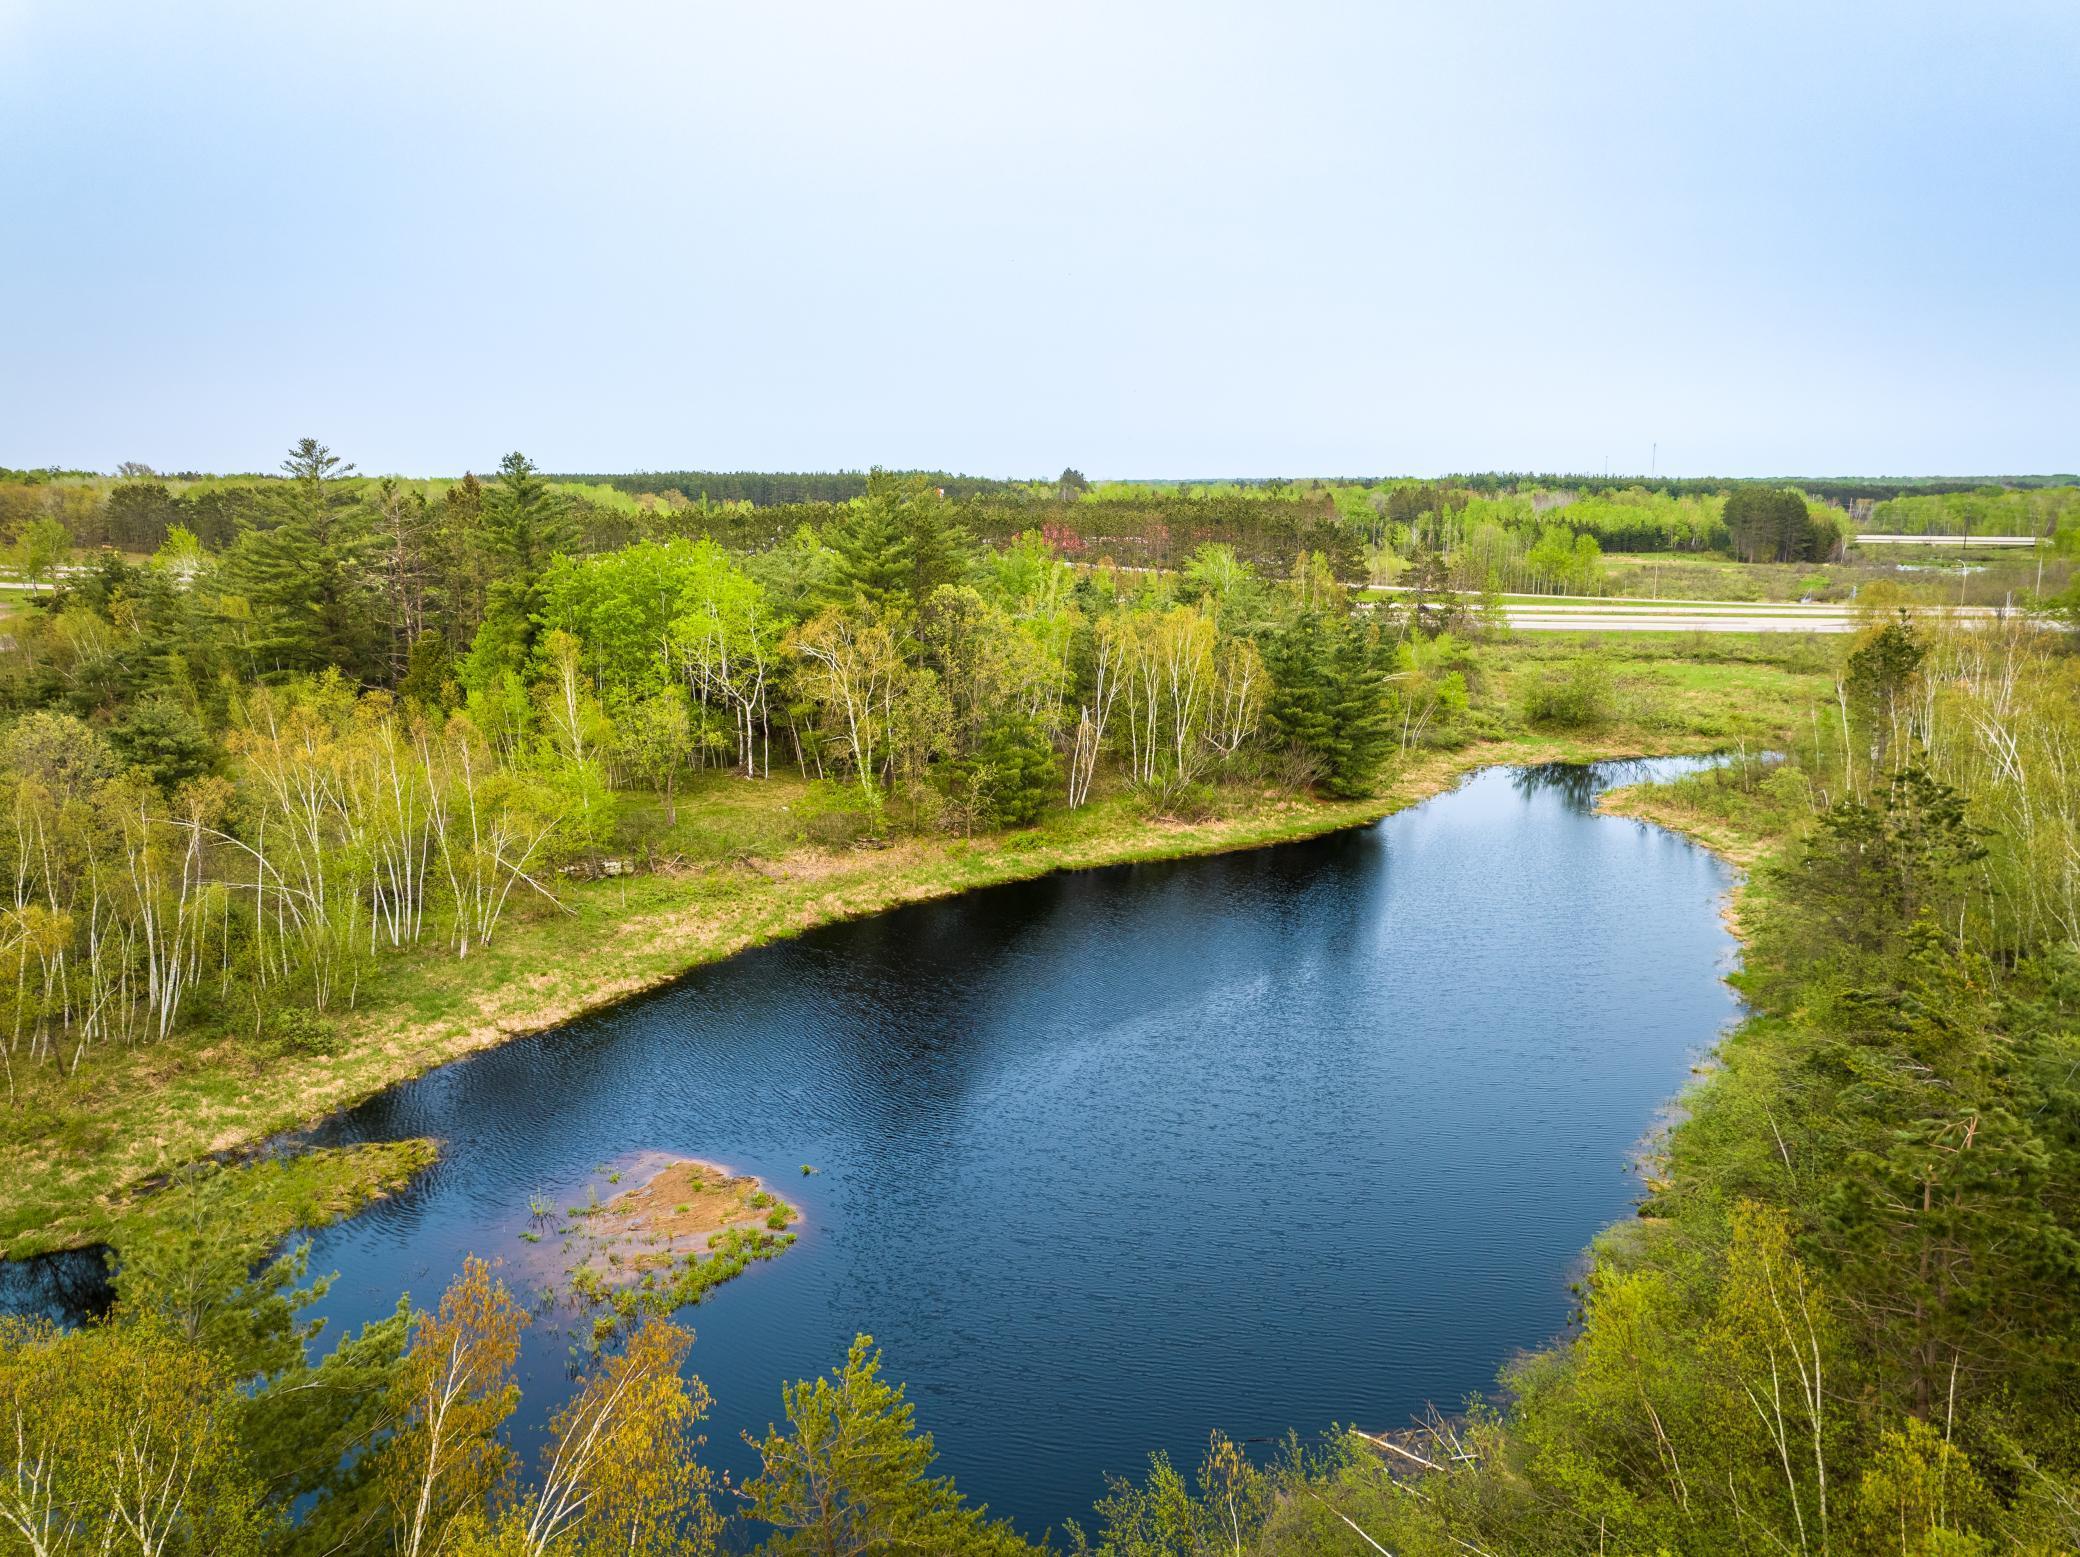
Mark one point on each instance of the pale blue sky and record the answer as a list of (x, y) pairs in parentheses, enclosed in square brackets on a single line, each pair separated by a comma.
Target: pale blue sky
[(1146, 239)]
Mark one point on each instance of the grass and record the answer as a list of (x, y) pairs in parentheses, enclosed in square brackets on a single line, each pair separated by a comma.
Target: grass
[(270, 1198), (1741, 810), (1732, 691), (736, 872), (1922, 575)]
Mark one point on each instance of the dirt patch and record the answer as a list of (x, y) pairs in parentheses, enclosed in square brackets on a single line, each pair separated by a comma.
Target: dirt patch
[(683, 1229), (681, 1208)]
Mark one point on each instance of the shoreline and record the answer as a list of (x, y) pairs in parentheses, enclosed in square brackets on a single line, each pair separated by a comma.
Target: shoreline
[(474, 1009)]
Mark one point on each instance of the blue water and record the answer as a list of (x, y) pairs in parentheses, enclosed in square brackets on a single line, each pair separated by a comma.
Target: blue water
[(1305, 1135)]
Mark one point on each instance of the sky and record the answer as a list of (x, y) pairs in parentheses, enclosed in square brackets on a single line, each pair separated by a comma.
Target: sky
[(1731, 237)]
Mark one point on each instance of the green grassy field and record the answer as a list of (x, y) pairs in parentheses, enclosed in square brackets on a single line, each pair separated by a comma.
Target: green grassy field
[(1921, 575)]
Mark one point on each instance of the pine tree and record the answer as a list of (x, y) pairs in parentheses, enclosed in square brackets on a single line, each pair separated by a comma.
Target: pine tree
[(1940, 1217), (408, 548), (872, 555), (525, 525), (527, 522), (941, 549), (307, 573), (462, 562), (1329, 700), (853, 1474), (897, 544)]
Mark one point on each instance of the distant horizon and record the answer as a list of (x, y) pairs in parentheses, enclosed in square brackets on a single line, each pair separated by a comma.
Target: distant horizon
[(1644, 478)]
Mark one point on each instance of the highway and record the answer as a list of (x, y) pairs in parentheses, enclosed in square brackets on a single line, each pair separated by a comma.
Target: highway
[(1625, 614), (1672, 619)]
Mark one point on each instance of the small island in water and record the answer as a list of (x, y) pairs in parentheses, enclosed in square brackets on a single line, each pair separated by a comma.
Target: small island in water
[(682, 1230)]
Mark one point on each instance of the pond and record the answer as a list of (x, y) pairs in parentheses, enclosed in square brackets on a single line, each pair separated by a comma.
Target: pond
[(1305, 1135)]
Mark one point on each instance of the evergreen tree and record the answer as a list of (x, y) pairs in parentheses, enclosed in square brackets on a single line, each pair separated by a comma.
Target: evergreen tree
[(941, 549), (853, 1475), (1328, 700), (429, 670), (871, 554), (897, 544), (462, 562), (525, 524), (408, 546), (1940, 1215), (306, 574), (160, 735), (1769, 524), (1019, 770)]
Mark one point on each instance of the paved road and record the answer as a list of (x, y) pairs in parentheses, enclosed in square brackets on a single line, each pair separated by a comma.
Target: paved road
[(1535, 619), (1640, 616)]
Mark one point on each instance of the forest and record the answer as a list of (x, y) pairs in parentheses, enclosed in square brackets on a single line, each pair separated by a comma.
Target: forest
[(1542, 535), (269, 740), (374, 722)]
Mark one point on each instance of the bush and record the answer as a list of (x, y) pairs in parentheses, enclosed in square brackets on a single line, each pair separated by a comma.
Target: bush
[(299, 1030), (1572, 698), (1177, 802)]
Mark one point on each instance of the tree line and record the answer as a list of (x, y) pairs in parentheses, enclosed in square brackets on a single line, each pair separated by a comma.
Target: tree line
[(379, 722)]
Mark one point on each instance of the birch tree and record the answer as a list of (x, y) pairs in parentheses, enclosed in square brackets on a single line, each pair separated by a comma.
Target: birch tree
[(454, 1390)]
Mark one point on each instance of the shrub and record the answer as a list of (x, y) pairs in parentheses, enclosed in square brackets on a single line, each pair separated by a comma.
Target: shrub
[(1178, 802), (1578, 696), (299, 1030)]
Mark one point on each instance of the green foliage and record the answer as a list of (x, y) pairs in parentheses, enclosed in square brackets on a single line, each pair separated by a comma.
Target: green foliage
[(1329, 700), (122, 1438), (836, 815), (1015, 770), (894, 546), (852, 1474), (58, 753), (429, 672), (1565, 562), (303, 571), (1869, 876), (1576, 697), (205, 1268), (1163, 1517), (164, 738), (295, 1030), (42, 548), (1773, 525), (1980, 511)]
